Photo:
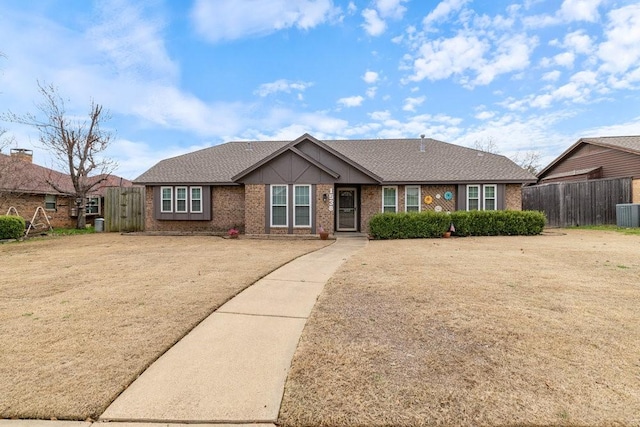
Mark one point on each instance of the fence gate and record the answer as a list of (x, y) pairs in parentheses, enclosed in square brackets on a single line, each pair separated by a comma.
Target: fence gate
[(124, 209), (568, 204)]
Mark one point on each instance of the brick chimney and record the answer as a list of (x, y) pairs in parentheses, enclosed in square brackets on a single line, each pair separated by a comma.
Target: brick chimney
[(22, 154)]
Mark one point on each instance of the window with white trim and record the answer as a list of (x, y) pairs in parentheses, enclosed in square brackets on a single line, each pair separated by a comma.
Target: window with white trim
[(92, 205), (302, 206), (489, 193), (389, 199), (412, 198), (473, 197), (50, 202), (181, 199), (196, 199), (167, 199), (279, 206)]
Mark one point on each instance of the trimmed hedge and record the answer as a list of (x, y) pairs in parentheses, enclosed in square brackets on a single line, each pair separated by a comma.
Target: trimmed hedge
[(466, 223), (11, 227)]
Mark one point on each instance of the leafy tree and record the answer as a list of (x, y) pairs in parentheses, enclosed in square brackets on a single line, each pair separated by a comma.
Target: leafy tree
[(75, 143)]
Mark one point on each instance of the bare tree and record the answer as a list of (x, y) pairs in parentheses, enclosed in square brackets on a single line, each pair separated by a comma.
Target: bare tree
[(528, 160), (75, 143), (488, 146)]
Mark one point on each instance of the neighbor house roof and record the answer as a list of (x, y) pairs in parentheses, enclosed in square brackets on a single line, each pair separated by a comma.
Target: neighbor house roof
[(630, 144), (22, 176), (387, 160)]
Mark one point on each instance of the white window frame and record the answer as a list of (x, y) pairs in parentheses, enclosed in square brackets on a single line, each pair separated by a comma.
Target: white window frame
[(395, 188), (162, 199), (88, 205), (406, 206), (186, 199), (54, 202), (479, 187), (495, 196), (286, 205), (191, 199), (295, 205)]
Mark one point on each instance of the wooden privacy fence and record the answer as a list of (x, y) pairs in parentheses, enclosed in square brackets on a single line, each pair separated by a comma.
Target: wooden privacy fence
[(124, 209), (568, 204)]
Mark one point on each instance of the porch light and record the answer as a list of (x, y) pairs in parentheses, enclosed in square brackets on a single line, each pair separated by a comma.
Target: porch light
[(324, 197)]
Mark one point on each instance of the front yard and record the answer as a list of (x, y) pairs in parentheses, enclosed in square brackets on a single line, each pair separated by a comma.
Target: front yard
[(540, 330), (82, 316)]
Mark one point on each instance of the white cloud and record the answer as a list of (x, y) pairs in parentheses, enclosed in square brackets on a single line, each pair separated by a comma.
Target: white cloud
[(371, 92), (370, 77), (410, 104), (443, 58), (580, 10), (391, 8), (440, 59), (570, 11), (351, 101), (512, 54), (373, 25), (621, 50), (230, 20), (564, 59), (442, 11), (485, 115), (579, 42), (282, 85), (551, 76), (133, 44)]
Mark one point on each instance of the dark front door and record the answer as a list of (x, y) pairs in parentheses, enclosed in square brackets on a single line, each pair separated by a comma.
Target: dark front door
[(347, 209)]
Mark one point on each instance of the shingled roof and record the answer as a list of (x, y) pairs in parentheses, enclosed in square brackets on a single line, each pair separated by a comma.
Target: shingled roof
[(392, 160), (630, 144), (22, 176)]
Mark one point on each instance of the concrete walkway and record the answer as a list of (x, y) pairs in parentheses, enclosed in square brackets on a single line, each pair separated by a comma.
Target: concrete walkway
[(232, 367)]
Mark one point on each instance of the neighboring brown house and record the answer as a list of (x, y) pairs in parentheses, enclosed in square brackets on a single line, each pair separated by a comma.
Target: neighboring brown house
[(597, 158), (296, 187), (25, 186)]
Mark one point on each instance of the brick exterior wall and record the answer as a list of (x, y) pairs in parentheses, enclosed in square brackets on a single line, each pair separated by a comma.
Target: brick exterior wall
[(324, 216), (371, 201), (513, 197), (26, 204), (227, 206), (254, 202), (635, 191), (371, 204)]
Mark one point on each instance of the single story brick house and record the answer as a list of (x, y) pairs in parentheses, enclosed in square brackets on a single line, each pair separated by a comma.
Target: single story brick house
[(296, 187), (25, 186)]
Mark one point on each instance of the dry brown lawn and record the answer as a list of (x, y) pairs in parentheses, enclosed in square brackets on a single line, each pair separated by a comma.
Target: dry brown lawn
[(82, 316), (541, 330)]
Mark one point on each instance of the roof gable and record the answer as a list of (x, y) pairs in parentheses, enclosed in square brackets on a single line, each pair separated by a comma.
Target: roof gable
[(628, 144), (371, 160), (304, 152)]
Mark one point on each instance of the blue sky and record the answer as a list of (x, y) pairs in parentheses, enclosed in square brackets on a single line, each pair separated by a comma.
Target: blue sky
[(178, 76)]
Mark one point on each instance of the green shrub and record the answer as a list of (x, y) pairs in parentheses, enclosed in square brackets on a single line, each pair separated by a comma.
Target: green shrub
[(472, 223), (11, 227)]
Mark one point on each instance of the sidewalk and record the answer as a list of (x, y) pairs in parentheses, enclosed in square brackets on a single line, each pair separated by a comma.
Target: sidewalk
[(233, 366)]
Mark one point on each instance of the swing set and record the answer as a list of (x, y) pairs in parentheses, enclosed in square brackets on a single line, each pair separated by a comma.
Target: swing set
[(33, 225)]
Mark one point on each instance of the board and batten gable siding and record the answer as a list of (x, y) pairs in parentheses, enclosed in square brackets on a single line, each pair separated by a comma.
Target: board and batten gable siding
[(289, 168), (614, 163)]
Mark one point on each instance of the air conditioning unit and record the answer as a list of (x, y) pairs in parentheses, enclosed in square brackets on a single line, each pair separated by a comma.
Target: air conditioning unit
[(628, 215)]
